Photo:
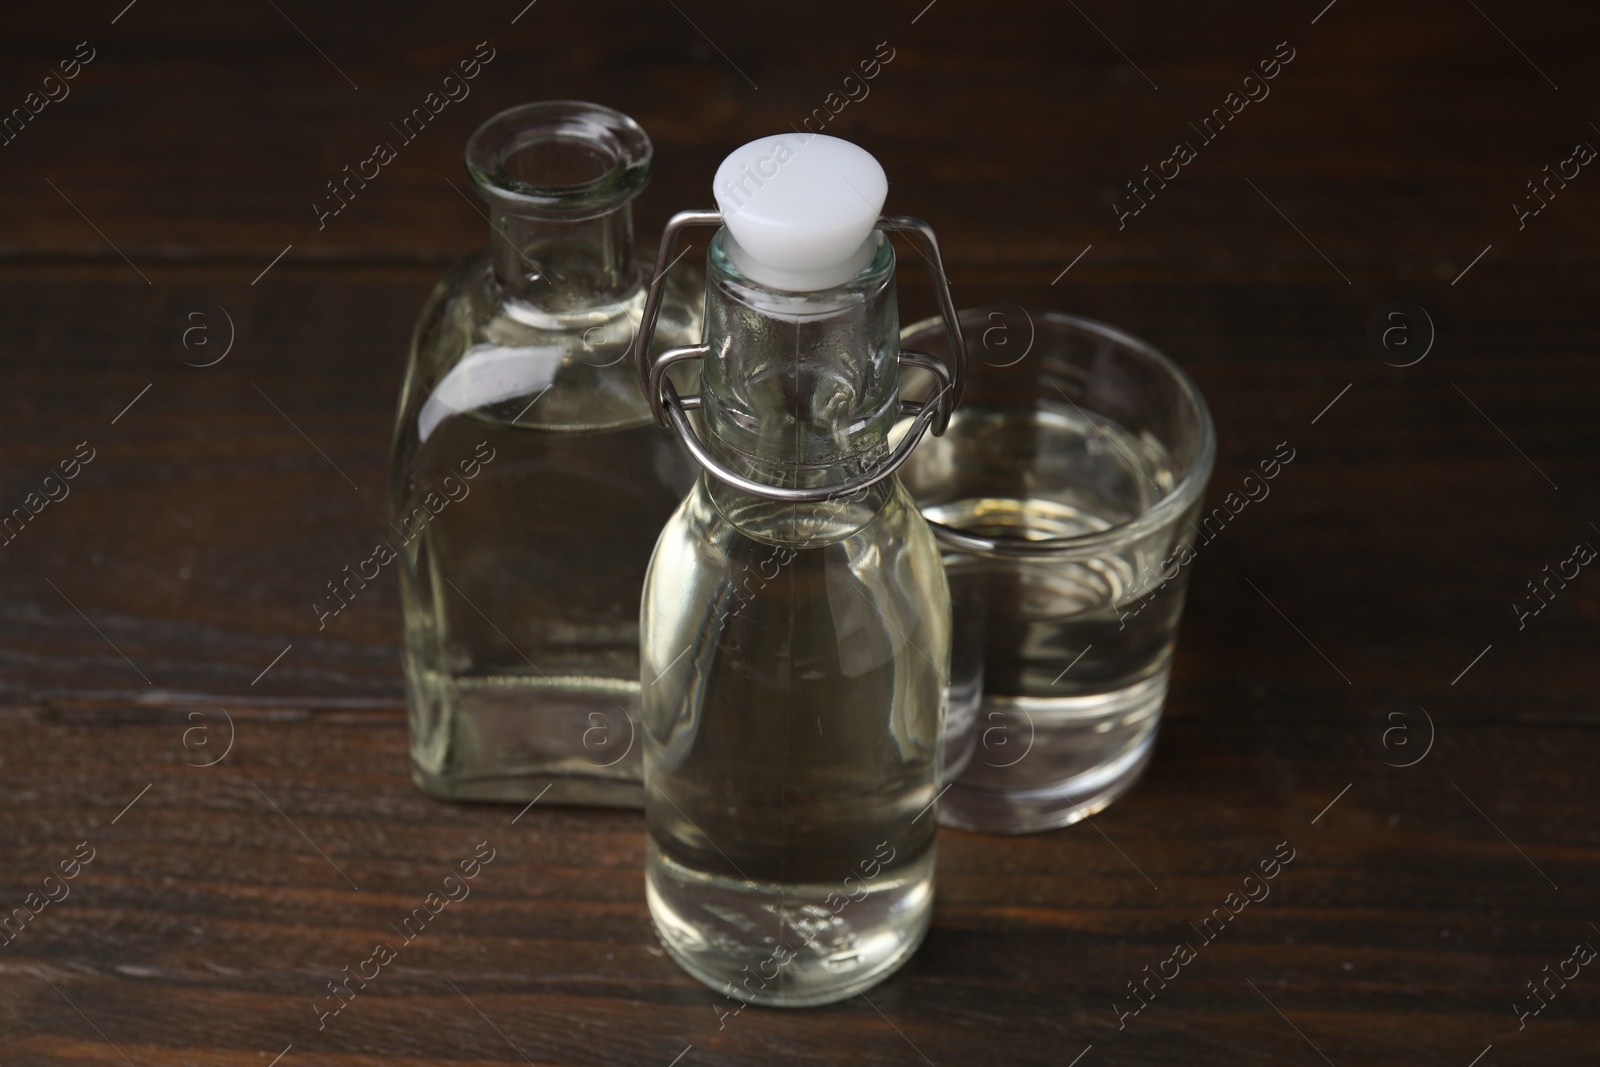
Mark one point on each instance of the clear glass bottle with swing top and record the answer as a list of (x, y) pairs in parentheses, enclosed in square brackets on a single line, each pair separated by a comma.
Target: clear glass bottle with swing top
[(529, 479), (796, 617)]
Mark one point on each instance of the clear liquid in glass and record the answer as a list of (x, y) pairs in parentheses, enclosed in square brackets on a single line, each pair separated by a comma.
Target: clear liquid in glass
[(1076, 651)]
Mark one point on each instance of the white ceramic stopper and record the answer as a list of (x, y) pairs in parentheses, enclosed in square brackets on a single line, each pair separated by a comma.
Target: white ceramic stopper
[(800, 208)]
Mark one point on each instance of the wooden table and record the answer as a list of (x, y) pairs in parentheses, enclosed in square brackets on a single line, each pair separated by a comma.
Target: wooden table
[(1352, 677)]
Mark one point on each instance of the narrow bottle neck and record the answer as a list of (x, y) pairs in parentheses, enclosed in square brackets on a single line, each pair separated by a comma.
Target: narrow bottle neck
[(560, 264), (800, 389)]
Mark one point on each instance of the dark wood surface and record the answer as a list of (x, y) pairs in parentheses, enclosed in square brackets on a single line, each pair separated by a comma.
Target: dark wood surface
[(1382, 567)]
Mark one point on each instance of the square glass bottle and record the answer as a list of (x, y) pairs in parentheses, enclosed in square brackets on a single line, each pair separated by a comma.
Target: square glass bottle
[(529, 480)]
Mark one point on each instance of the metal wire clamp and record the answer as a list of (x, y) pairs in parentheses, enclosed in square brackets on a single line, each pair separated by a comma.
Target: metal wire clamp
[(671, 410)]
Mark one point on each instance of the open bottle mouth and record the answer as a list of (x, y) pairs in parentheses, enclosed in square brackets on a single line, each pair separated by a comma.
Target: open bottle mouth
[(559, 158)]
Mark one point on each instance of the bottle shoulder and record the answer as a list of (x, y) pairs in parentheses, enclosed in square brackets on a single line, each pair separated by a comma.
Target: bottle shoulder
[(869, 531), (478, 352), (709, 577)]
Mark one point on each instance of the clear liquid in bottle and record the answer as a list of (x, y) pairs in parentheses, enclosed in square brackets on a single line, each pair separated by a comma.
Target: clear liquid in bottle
[(529, 477)]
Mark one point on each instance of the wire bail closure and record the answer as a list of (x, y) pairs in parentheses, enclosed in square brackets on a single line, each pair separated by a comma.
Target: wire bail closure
[(671, 410)]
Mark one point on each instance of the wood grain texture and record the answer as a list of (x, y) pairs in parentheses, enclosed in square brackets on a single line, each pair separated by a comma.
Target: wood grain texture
[(220, 904)]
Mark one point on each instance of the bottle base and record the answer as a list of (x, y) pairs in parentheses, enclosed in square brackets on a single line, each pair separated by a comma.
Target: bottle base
[(1078, 754), (983, 811), (515, 738), (817, 946), (522, 788)]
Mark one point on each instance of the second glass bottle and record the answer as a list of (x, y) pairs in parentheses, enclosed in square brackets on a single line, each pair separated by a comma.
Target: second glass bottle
[(528, 479)]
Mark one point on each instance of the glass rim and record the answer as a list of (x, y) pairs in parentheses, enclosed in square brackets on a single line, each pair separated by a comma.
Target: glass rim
[(618, 137), (1162, 513)]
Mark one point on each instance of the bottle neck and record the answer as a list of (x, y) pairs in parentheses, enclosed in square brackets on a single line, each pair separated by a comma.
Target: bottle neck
[(559, 178), (800, 389), (564, 264)]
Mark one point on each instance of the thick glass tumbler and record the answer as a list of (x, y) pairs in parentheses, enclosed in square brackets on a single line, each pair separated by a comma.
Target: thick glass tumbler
[(1063, 497)]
